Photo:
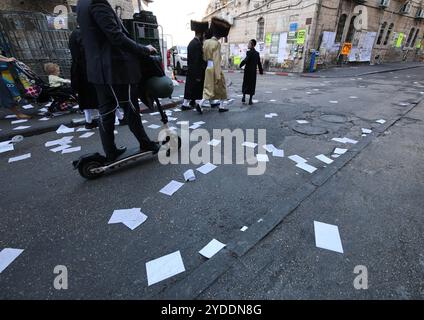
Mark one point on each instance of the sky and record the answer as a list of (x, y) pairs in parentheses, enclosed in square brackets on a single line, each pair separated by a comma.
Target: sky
[(175, 16)]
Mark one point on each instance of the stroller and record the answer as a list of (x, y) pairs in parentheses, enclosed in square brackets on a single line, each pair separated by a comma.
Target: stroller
[(154, 85), (35, 89)]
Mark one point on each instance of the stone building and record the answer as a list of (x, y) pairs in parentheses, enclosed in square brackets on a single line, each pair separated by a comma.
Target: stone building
[(124, 8), (290, 32)]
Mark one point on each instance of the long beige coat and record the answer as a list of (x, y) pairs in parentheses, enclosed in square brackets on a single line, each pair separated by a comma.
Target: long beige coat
[(214, 87)]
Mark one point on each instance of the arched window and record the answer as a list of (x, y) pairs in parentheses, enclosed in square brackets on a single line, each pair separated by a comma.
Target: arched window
[(381, 32), (415, 38), (411, 34), (340, 28), (351, 31), (389, 32), (260, 32)]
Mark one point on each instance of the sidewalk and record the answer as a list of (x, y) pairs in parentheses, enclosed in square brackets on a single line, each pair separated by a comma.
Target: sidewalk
[(362, 70), (40, 124)]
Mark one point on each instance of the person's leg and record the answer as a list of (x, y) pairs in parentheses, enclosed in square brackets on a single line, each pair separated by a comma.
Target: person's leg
[(185, 105), (91, 121), (251, 99), (107, 107), (128, 95), (19, 114), (243, 100)]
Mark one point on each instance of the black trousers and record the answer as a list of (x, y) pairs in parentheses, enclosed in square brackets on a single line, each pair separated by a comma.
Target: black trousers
[(110, 96)]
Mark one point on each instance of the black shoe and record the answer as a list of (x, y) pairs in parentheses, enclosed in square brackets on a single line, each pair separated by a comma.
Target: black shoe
[(123, 122), (250, 102), (243, 100), (92, 125), (113, 156), (199, 109), (223, 109), (154, 147), (186, 108)]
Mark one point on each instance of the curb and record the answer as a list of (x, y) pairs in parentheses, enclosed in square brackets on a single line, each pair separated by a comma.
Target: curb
[(307, 75), (207, 273), (274, 73)]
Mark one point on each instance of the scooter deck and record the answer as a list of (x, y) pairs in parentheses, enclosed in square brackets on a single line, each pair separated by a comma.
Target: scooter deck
[(130, 153)]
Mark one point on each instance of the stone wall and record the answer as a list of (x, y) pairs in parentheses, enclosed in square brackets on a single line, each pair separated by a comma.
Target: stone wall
[(124, 8), (44, 6), (320, 20)]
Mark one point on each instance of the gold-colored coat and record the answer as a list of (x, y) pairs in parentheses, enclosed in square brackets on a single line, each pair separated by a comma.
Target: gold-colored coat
[(214, 87)]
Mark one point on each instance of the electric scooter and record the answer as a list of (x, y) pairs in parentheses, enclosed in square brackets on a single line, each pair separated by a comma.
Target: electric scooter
[(155, 85), (95, 165)]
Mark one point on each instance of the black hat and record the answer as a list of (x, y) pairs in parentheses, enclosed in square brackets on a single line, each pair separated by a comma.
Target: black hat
[(197, 26), (220, 27)]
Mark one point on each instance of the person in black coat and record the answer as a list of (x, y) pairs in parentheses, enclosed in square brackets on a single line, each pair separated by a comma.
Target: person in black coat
[(196, 66), (87, 97), (113, 66), (252, 62)]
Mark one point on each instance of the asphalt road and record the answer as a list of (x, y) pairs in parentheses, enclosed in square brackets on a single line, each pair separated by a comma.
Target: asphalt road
[(58, 218)]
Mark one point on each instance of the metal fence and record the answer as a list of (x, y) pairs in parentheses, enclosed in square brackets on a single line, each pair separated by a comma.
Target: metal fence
[(31, 38)]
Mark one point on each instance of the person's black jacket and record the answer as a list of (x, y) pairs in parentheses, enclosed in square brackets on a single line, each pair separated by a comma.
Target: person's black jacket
[(112, 57), (196, 71), (87, 97), (252, 62)]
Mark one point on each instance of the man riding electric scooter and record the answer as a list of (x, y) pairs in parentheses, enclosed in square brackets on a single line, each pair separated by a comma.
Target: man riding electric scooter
[(113, 66)]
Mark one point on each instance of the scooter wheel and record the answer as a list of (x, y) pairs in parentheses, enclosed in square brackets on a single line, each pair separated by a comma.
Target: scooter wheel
[(85, 170)]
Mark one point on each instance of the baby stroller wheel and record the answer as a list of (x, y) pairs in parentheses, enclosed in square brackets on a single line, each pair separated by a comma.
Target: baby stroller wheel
[(86, 167)]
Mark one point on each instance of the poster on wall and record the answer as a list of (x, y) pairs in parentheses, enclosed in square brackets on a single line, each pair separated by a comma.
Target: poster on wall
[(268, 39), (362, 51), (275, 40), (260, 47), (301, 35), (238, 50), (328, 41), (399, 39), (282, 48)]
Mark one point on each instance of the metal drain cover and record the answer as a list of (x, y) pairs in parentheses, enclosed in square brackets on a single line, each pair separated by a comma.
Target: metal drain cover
[(334, 118), (309, 130)]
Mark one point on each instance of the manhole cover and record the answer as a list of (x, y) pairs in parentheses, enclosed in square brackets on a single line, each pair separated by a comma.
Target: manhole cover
[(309, 130), (333, 118)]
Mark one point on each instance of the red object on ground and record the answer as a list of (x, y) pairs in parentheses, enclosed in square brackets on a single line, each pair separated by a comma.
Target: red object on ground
[(168, 57)]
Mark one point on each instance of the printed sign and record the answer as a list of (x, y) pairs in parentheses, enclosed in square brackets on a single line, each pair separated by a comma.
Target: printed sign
[(301, 35), (347, 46), (268, 39), (399, 40), (293, 26)]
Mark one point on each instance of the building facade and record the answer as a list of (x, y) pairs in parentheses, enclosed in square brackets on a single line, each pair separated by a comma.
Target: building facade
[(292, 34)]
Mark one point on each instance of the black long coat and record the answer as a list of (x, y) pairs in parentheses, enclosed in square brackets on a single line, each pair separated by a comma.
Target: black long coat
[(196, 71), (112, 56), (87, 97), (252, 61)]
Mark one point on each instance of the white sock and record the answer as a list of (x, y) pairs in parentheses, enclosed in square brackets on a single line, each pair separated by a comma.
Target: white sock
[(119, 114), (186, 102), (221, 104), (88, 116)]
